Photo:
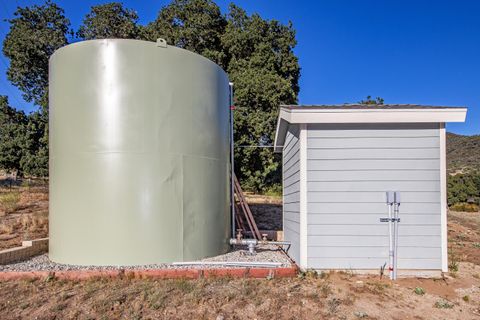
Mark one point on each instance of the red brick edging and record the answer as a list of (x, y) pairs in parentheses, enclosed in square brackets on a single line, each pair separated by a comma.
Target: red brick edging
[(156, 274)]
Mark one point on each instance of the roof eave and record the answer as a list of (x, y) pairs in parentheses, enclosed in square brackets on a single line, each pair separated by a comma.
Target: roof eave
[(430, 115)]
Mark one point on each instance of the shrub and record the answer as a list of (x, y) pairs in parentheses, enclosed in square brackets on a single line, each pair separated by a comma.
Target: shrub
[(9, 201), (465, 207), (443, 304), (419, 290)]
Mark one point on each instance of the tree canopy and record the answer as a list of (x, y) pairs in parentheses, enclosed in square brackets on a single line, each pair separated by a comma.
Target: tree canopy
[(110, 20), (256, 53), (12, 128), (35, 33), (370, 100)]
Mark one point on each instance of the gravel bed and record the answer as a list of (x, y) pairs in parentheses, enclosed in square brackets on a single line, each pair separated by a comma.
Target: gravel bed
[(265, 253)]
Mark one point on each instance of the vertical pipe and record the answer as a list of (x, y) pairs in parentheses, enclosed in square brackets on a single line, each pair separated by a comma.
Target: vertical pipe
[(396, 221), (390, 242), (232, 171), (390, 200), (395, 211)]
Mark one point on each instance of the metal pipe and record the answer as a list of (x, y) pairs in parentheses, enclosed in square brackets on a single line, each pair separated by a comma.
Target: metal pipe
[(390, 200), (252, 243), (396, 221), (232, 171), (258, 264), (246, 242), (391, 249)]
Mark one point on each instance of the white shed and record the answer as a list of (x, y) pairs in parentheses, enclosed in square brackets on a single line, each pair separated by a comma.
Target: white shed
[(338, 163)]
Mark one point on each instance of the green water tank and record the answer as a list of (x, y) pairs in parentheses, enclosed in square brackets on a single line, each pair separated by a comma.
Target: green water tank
[(139, 154)]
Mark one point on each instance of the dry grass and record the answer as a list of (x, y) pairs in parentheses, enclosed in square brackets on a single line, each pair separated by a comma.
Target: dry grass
[(27, 218), (332, 297), (9, 202)]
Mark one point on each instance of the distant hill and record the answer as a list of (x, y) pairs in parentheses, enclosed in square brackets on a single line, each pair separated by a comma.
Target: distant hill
[(463, 153)]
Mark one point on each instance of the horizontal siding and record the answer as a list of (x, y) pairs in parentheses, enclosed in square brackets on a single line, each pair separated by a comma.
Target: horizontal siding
[(374, 186), (373, 153), (373, 164), (350, 167), (371, 219), (372, 263), (411, 252), (372, 229), (368, 207), (369, 196), (291, 191), (407, 143), (372, 240), (374, 175)]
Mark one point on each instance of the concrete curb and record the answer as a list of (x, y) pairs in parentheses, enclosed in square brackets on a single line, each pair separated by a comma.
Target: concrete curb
[(153, 274), (27, 250)]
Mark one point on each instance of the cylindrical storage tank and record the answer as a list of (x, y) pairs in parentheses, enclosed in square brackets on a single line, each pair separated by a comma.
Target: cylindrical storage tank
[(139, 154)]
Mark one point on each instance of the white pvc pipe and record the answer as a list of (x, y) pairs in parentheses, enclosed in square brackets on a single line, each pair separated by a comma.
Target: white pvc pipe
[(265, 264), (390, 242), (395, 240)]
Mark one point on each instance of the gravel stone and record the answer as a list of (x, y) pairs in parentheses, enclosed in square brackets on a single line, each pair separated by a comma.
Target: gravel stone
[(265, 253)]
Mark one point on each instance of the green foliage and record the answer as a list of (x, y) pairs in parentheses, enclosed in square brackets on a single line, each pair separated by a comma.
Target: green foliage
[(110, 20), (463, 188), (35, 33), (195, 25), (12, 136), (23, 141), (419, 290), (265, 73), (369, 100), (257, 54), (35, 159)]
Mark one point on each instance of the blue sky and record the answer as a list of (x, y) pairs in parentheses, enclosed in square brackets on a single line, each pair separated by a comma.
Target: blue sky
[(425, 52)]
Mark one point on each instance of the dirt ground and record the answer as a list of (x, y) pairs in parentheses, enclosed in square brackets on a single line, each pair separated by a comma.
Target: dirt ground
[(464, 236), (336, 295), (28, 219), (267, 211)]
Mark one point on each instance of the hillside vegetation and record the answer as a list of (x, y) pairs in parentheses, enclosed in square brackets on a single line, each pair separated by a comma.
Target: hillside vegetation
[(463, 165), (463, 153)]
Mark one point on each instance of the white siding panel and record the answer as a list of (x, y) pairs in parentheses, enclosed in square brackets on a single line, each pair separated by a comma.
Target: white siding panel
[(374, 175), (374, 252), (365, 196), (374, 241), (351, 166), (372, 263), (380, 207), (373, 153), (374, 142), (370, 219), (375, 164), (374, 186), (374, 229), (291, 194)]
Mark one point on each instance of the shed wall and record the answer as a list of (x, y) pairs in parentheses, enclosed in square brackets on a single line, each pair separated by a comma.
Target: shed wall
[(350, 167), (291, 190)]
